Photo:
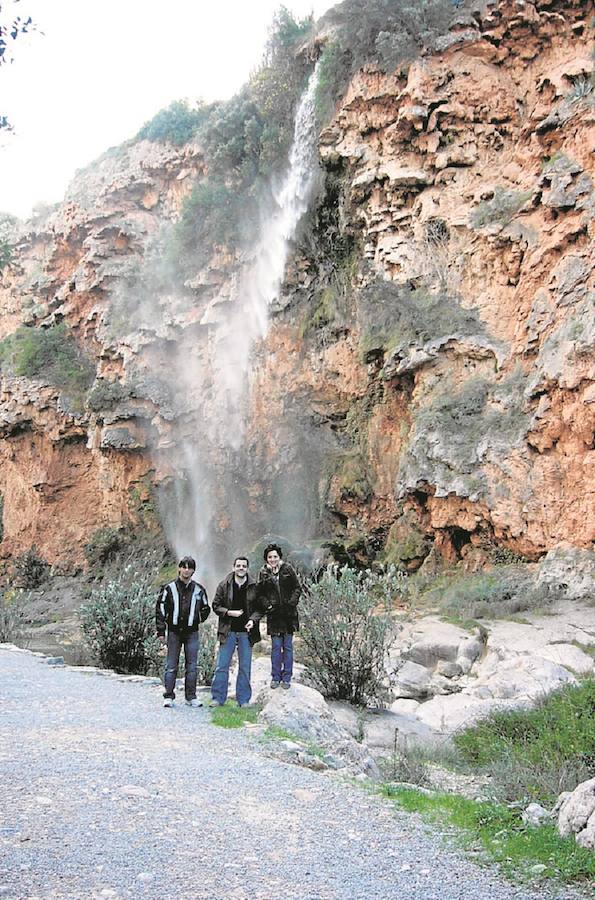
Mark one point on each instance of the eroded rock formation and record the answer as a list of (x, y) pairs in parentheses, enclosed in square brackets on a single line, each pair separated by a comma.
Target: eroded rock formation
[(425, 388)]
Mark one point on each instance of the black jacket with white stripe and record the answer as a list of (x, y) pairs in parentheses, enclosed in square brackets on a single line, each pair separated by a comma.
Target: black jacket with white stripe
[(181, 607)]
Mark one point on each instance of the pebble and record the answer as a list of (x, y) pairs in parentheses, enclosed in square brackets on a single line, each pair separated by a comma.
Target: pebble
[(211, 800)]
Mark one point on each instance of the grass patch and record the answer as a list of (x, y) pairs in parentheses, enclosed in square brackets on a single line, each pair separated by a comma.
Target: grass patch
[(502, 834), (231, 716), (536, 754)]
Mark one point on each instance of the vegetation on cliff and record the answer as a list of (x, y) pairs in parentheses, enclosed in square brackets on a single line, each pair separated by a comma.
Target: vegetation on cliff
[(50, 354), (388, 33)]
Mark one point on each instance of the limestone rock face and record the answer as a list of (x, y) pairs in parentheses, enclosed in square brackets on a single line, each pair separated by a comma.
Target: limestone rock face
[(576, 814), (425, 391)]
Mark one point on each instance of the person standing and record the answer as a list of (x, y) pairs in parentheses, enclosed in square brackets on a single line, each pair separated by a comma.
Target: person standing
[(281, 593), (181, 606), (238, 606)]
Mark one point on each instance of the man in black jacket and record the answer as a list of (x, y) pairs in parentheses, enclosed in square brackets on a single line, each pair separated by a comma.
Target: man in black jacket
[(181, 606), (237, 603), (281, 591)]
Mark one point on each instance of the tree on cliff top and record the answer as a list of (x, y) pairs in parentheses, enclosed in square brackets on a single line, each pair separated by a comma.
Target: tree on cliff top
[(11, 26)]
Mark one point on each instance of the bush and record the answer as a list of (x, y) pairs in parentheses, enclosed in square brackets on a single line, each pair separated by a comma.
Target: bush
[(207, 652), (497, 593), (30, 569), (389, 33), (118, 621), (105, 394), (50, 353), (346, 631), (12, 616), (211, 215), (535, 754), (177, 123), (502, 208), (104, 546), (5, 254)]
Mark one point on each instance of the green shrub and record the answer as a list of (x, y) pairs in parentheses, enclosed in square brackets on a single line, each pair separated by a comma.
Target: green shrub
[(346, 631), (13, 616), (496, 593), (500, 833), (50, 353), (207, 652), (105, 394), (30, 569), (118, 621), (394, 317), (244, 140), (104, 546), (535, 754), (5, 254), (502, 208), (389, 33), (211, 215), (177, 123)]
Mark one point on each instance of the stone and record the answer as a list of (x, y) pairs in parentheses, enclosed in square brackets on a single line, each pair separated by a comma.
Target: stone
[(535, 815), (449, 669), (411, 681), (303, 712), (576, 814)]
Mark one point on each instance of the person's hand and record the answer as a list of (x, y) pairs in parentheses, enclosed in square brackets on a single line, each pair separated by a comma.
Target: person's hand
[(235, 613), (161, 638), (249, 625)]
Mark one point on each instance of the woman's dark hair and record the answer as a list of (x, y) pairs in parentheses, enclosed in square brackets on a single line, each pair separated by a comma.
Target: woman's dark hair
[(270, 548)]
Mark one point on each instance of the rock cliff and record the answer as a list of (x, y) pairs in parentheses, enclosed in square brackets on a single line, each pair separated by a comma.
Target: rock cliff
[(424, 390)]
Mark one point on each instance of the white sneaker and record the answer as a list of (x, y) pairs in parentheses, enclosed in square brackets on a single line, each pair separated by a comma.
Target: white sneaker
[(168, 702), (215, 703), (194, 703)]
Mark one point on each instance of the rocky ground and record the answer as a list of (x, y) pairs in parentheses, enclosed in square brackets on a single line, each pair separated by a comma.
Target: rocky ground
[(106, 794)]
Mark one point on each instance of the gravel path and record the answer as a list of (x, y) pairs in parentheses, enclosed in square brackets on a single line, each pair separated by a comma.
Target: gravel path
[(106, 794)]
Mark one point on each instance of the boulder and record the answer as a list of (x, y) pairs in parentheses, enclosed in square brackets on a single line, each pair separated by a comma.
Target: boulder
[(457, 711), (303, 712), (520, 677), (412, 681), (576, 814), (535, 815), (385, 729)]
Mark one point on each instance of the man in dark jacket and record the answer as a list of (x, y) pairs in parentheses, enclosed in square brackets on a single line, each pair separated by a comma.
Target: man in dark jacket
[(181, 606), (281, 591), (237, 603)]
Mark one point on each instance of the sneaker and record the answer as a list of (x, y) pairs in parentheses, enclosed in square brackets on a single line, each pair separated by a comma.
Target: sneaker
[(215, 703), (243, 705), (286, 685), (194, 703), (169, 701), (275, 684)]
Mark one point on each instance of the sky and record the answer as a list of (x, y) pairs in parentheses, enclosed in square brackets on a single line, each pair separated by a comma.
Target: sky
[(101, 68)]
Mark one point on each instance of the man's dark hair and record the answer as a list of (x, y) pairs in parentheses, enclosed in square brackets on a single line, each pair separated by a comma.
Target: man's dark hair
[(187, 561), (244, 558), (272, 547)]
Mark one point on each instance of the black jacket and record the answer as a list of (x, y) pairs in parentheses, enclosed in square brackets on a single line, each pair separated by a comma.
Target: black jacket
[(181, 607), (281, 599), (223, 602)]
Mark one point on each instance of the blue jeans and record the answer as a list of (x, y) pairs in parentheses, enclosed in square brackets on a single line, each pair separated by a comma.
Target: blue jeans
[(282, 657), (175, 641), (220, 683)]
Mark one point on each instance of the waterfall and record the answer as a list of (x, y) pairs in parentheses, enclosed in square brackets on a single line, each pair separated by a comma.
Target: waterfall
[(258, 284), (220, 382)]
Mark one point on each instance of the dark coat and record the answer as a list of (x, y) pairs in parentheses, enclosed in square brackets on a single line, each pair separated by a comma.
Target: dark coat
[(281, 602), (223, 602), (181, 607)]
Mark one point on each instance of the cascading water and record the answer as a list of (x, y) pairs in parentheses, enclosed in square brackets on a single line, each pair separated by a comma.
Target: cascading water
[(259, 283), (189, 509)]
